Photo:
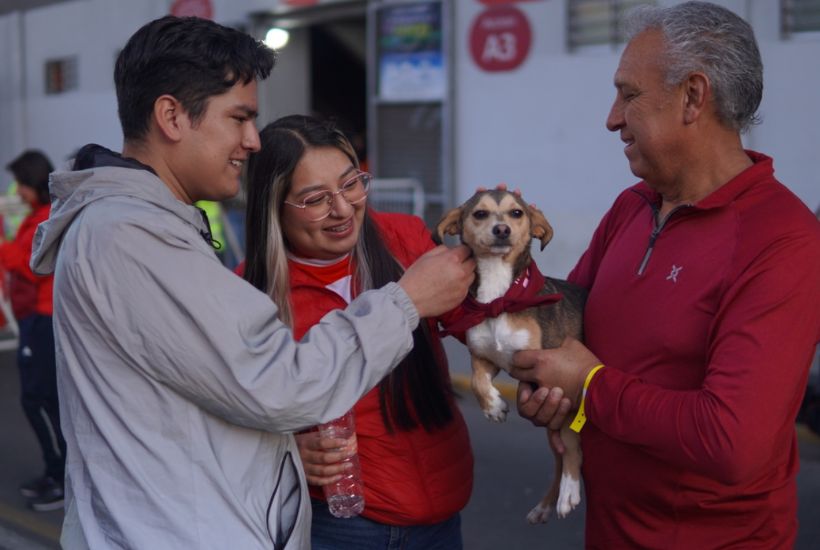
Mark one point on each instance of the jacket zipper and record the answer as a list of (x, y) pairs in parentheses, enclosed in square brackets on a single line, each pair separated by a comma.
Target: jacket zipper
[(656, 231), (649, 248)]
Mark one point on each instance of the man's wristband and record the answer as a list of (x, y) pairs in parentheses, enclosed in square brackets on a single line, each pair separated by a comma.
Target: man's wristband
[(581, 418)]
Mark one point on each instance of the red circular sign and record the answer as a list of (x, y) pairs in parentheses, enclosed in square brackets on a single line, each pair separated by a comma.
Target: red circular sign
[(500, 38), (192, 8)]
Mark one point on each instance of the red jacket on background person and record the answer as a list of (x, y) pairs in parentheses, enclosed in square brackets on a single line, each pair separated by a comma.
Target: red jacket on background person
[(410, 477), (29, 293)]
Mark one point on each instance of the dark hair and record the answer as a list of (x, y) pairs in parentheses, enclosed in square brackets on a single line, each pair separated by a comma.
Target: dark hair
[(191, 59), (31, 169), (420, 377)]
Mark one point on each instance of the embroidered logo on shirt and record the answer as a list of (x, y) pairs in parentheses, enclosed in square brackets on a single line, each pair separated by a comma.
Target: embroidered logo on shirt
[(673, 275)]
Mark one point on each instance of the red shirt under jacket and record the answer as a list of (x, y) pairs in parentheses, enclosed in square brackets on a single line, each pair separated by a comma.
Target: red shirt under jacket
[(16, 255), (691, 440), (410, 478)]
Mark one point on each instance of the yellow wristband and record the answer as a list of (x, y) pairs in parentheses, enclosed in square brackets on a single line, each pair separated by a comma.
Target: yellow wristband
[(581, 418)]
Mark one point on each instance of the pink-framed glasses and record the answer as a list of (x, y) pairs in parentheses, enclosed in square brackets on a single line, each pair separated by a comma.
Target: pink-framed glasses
[(318, 205)]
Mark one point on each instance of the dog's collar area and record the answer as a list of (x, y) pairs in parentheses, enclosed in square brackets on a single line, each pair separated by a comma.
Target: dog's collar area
[(522, 294)]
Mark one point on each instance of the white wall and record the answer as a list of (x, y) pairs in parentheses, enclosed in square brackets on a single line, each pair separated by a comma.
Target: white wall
[(541, 126), (94, 31), (790, 113), (13, 135), (287, 91)]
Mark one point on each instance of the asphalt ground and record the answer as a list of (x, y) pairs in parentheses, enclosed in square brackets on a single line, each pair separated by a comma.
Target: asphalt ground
[(512, 468)]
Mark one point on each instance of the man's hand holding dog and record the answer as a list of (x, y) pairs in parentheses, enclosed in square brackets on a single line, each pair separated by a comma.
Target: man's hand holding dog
[(552, 370), (438, 281), (543, 403)]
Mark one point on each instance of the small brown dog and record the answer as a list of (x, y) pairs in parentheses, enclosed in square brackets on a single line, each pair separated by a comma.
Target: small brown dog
[(507, 311)]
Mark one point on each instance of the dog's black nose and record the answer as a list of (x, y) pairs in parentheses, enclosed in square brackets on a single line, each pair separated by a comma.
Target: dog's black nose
[(501, 231)]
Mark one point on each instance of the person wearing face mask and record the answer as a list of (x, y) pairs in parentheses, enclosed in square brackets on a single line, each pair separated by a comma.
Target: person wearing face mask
[(313, 244)]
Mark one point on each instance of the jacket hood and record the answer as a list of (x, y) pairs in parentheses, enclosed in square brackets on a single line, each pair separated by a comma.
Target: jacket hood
[(98, 173)]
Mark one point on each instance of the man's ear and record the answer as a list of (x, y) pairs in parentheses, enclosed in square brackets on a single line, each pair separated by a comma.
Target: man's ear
[(696, 92), (169, 117)]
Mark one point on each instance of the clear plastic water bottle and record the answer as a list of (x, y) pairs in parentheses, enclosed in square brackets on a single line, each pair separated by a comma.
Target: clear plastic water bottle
[(345, 498)]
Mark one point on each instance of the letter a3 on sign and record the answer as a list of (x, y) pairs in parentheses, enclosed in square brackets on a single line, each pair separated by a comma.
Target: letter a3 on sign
[(500, 38)]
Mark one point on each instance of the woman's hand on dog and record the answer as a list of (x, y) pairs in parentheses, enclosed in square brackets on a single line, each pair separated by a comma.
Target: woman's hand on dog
[(322, 458)]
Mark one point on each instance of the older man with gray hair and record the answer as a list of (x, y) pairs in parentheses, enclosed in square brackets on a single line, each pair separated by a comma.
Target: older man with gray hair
[(704, 281)]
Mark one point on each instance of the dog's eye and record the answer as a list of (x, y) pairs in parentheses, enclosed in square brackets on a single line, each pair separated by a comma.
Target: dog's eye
[(480, 214), (517, 213)]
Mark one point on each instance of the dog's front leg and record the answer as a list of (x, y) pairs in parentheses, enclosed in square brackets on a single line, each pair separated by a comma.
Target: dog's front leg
[(489, 398)]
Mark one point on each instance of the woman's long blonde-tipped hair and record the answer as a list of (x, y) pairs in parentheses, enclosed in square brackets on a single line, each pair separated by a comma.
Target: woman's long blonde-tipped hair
[(276, 259)]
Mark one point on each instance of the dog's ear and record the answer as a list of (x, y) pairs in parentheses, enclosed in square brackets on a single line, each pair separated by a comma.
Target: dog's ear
[(540, 228), (450, 224)]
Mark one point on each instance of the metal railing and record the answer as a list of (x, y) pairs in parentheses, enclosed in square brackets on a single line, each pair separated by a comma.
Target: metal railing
[(397, 195)]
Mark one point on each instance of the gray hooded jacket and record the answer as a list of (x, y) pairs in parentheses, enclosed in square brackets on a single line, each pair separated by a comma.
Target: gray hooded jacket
[(179, 386)]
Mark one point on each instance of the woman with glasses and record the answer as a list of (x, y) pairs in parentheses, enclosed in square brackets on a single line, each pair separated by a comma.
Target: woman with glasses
[(312, 245)]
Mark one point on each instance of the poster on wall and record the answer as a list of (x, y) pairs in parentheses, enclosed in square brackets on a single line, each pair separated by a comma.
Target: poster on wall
[(411, 61)]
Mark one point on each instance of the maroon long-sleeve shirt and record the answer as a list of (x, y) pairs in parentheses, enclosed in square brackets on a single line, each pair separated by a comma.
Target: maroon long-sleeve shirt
[(708, 327)]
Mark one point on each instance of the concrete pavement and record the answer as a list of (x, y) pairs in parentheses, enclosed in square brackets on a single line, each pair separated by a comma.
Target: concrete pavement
[(511, 470), (20, 460)]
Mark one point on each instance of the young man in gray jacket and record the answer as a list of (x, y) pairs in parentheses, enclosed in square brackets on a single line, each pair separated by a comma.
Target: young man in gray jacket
[(179, 386)]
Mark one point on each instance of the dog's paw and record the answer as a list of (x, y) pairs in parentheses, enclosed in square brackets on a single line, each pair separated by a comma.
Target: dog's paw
[(497, 408), (569, 495), (539, 514)]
